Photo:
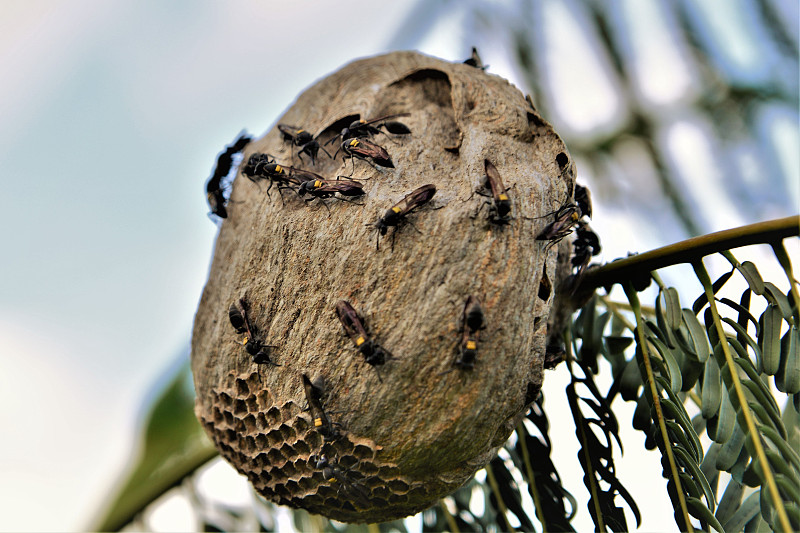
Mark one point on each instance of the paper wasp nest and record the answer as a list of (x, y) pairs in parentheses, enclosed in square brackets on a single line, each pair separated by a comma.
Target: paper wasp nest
[(408, 432)]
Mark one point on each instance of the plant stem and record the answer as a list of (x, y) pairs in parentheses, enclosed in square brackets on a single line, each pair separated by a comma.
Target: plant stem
[(689, 251)]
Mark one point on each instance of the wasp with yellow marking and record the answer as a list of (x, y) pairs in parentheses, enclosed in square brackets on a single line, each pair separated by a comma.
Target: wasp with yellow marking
[(472, 321), (368, 128), (333, 471), (214, 186), (302, 138), (396, 215), (366, 151), (322, 188), (567, 218), (322, 423), (237, 314), (264, 166), (500, 208), (354, 327), (469, 350)]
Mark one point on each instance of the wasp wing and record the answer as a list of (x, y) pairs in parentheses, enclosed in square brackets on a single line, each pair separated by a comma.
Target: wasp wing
[(415, 199)]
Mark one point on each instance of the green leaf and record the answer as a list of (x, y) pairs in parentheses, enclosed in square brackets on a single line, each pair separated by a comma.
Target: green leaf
[(712, 389), (740, 468), (614, 352), (672, 308), (779, 464), (746, 512), (730, 449), (618, 344), (630, 381), (641, 415), (760, 392), (776, 297), (668, 357), (750, 273), (709, 464), (742, 334), (744, 314), (791, 421), (730, 501), (715, 287), (694, 470), (726, 420), (788, 487), (698, 510), (697, 334), (790, 362), (174, 446), (771, 321)]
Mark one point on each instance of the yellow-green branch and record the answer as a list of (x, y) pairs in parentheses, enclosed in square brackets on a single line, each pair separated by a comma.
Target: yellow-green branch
[(689, 251)]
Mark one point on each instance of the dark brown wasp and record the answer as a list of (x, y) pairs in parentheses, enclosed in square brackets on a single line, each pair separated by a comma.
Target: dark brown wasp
[(237, 313), (333, 471), (584, 200), (475, 60), (585, 246), (354, 327), (302, 138), (567, 217), (472, 321), (322, 423), (500, 209), (366, 151), (214, 185), (396, 214), (468, 352), (473, 314), (322, 188), (554, 354), (264, 166), (216, 202), (368, 128), (299, 176)]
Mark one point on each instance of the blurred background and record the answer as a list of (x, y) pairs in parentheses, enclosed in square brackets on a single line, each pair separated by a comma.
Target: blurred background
[(682, 116)]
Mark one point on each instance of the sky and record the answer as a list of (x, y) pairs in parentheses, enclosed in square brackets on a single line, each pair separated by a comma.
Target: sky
[(111, 116)]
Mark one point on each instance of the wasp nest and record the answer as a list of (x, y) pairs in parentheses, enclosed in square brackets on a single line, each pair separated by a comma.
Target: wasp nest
[(359, 361)]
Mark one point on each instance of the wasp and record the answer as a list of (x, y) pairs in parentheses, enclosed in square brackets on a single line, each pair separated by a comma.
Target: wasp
[(366, 151), (584, 200), (475, 60), (264, 166), (501, 206), (472, 321), (468, 351), (553, 355), (214, 186), (396, 214), (473, 314), (237, 313), (314, 392), (584, 247), (322, 188), (354, 327), (367, 128), (567, 218), (332, 471), (302, 138), (216, 202)]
